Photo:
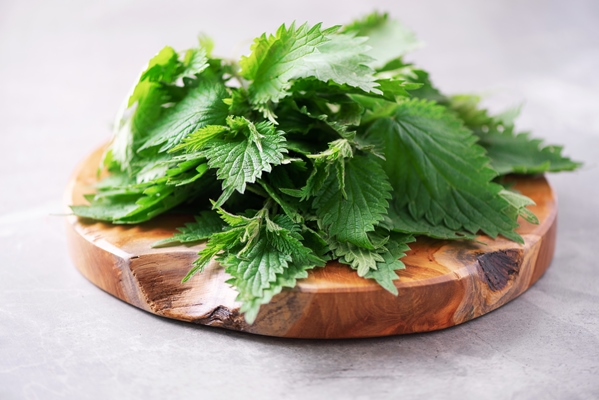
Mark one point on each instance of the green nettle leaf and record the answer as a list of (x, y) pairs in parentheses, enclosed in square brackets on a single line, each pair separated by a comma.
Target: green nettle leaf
[(518, 203), (508, 151), (394, 88), (322, 144), (521, 154), (154, 168), (283, 260), (341, 60), (288, 207), (351, 211), (136, 208), (197, 140), (384, 273), (206, 224), (120, 153), (262, 255), (302, 52), (379, 263), (243, 159), (417, 81), (202, 106), (402, 221), (359, 258), (438, 173), (286, 279), (195, 62), (257, 269), (143, 107), (150, 98), (387, 37), (217, 243), (162, 67)]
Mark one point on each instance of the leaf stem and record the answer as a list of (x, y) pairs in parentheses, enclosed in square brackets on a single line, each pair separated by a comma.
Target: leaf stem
[(257, 190)]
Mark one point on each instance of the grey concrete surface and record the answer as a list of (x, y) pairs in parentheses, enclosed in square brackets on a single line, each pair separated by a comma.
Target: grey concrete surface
[(64, 69)]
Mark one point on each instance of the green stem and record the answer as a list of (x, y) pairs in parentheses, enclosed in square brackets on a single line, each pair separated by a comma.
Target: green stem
[(257, 190)]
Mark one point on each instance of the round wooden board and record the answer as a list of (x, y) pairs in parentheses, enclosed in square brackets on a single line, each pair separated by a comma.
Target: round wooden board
[(445, 283)]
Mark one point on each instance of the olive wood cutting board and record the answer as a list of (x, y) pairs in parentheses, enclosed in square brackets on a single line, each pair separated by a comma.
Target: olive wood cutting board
[(445, 283)]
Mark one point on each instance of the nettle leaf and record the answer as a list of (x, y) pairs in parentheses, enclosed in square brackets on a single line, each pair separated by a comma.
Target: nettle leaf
[(197, 140), (283, 238), (202, 106), (242, 159), (152, 168), (239, 103), (301, 52), (348, 152), (351, 211), (261, 254), (415, 80), (163, 168), (402, 221), (288, 205), (162, 67), (218, 242), (510, 152), (329, 161), (314, 183), (120, 152), (121, 199), (387, 37), (195, 62), (136, 208), (341, 60), (270, 65), (359, 258), (206, 224), (518, 203), (286, 279), (142, 108), (257, 269), (520, 154), (437, 171), (384, 273), (395, 88), (378, 263), (150, 98)]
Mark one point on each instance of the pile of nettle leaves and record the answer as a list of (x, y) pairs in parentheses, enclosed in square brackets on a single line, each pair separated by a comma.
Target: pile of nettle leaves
[(321, 144)]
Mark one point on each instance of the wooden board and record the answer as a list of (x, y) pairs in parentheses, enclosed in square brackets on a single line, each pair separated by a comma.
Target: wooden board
[(445, 283)]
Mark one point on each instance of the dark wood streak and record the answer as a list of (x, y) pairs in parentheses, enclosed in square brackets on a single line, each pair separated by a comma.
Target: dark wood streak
[(499, 267), (223, 317), (159, 278)]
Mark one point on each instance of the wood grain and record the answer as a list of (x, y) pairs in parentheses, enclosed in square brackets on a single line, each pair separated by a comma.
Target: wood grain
[(445, 283)]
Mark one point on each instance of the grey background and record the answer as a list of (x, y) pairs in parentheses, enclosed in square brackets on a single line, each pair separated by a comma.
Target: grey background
[(65, 66)]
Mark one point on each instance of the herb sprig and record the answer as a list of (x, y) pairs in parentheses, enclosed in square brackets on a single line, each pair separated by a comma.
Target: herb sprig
[(320, 144)]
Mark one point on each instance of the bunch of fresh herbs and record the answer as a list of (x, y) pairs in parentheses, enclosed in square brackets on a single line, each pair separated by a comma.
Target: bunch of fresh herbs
[(320, 144)]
